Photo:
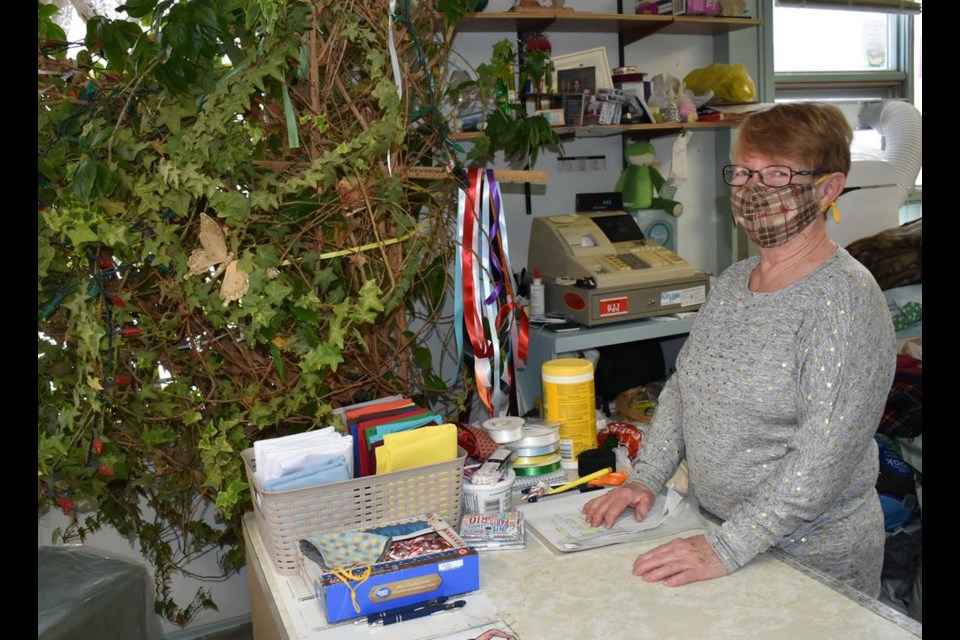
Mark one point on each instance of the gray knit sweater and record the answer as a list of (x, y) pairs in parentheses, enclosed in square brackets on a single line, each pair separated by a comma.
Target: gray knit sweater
[(774, 404)]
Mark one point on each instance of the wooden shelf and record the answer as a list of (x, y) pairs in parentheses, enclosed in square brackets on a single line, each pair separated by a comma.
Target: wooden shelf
[(699, 26), (630, 27), (641, 130)]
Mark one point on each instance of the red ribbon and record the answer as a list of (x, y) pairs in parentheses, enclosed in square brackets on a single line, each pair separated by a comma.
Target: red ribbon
[(481, 348)]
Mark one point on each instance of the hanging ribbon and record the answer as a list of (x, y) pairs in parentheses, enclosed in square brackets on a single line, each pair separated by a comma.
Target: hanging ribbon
[(484, 306), (489, 306), (395, 64), (349, 575)]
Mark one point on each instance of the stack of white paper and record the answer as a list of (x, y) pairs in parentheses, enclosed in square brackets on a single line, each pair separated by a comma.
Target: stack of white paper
[(558, 521)]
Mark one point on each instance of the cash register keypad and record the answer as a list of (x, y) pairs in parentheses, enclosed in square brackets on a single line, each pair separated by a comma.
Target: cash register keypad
[(647, 257), (632, 261)]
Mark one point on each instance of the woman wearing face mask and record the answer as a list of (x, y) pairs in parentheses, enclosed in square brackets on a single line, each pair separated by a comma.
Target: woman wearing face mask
[(780, 387)]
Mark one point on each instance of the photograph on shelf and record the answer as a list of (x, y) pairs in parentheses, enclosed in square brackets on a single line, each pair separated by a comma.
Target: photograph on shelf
[(583, 72), (590, 67)]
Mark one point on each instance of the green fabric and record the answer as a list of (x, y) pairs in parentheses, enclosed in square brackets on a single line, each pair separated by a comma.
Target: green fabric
[(910, 314)]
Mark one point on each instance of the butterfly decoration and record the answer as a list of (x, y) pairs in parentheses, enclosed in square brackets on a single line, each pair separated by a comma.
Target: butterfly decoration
[(213, 251)]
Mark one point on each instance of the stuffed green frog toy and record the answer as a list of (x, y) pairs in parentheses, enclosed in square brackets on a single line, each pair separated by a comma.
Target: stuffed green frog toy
[(640, 181)]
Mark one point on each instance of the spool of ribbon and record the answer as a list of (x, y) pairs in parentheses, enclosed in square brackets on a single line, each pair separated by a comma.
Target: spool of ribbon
[(505, 429), (534, 436)]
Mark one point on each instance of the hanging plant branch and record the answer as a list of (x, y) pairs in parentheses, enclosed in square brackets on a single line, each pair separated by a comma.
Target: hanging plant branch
[(149, 385)]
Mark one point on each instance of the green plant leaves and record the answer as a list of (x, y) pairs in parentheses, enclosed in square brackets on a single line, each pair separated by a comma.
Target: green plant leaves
[(138, 8), (113, 37), (47, 30), (194, 111), (508, 128)]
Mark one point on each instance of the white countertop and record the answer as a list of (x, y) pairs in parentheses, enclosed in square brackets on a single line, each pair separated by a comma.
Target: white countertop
[(592, 594)]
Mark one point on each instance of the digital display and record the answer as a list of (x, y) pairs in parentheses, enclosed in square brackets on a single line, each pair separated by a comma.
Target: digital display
[(620, 228)]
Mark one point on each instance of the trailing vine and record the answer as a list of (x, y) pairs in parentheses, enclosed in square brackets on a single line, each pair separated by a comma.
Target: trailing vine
[(282, 122)]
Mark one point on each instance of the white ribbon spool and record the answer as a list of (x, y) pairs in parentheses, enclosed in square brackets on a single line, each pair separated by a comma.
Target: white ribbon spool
[(505, 429)]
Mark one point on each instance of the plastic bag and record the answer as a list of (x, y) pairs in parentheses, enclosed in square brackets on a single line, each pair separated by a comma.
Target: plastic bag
[(729, 83)]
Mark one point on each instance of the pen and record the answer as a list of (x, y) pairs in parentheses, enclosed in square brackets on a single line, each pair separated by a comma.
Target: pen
[(539, 492), (374, 617), (577, 483), (420, 613)]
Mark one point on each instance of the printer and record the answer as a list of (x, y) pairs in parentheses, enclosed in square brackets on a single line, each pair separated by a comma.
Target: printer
[(599, 268)]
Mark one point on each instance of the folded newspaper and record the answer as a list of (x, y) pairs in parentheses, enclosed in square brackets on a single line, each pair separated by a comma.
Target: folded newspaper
[(559, 521)]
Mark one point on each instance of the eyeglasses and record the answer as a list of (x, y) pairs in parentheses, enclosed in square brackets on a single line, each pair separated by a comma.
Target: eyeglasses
[(776, 175)]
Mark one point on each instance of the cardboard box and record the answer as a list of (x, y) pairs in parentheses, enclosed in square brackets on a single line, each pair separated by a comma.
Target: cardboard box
[(450, 571), (655, 7), (703, 7)]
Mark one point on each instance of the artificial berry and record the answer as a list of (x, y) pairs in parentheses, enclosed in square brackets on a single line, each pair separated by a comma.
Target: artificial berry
[(122, 381), (97, 445), (131, 332), (538, 43), (117, 301), (65, 504), (105, 262), (105, 471)]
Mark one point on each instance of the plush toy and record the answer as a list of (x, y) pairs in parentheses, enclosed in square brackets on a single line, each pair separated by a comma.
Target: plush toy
[(640, 181)]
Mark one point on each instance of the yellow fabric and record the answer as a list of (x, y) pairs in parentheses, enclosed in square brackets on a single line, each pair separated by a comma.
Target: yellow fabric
[(417, 448)]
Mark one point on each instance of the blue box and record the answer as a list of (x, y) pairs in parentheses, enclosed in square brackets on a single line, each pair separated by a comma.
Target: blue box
[(449, 572)]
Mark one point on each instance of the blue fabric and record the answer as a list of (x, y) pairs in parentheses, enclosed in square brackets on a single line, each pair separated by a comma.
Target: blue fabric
[(376, 434), (401, 530), (331, 470)]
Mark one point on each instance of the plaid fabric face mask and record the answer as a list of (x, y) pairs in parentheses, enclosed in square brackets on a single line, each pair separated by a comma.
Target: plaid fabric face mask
[(773, 216)]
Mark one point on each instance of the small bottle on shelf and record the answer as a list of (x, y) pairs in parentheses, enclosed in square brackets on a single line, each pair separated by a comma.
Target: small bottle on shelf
[(538, 305)]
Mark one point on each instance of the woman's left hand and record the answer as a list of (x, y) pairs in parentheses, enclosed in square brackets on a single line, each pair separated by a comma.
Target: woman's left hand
[(679, 562)]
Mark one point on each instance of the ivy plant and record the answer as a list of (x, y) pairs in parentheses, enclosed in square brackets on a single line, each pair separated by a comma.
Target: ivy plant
[(281, 122)]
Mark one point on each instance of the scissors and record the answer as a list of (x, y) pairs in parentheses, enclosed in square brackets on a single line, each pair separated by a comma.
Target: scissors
[(603, 478)]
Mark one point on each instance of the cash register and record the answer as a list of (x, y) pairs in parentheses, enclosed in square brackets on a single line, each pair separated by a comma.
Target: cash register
[(599, 268)]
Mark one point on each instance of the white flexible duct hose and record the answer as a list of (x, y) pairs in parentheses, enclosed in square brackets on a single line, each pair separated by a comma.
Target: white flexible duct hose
[(901, 125)]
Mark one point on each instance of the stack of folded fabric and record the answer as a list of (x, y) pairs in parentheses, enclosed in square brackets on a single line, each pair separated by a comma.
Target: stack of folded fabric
[(304, 460), (383, 439)]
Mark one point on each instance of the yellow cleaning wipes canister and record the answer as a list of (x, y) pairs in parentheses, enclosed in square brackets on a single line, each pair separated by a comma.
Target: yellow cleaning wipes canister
[(569, 400)]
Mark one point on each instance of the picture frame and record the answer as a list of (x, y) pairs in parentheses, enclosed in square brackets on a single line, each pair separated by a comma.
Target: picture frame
[(573, 106), (590, 68)]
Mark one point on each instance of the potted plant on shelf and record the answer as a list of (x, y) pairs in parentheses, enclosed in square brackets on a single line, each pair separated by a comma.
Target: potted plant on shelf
[(506, 126), (536, 69)]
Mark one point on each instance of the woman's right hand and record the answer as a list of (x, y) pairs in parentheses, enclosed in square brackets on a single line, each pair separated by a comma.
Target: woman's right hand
[(605, 509)]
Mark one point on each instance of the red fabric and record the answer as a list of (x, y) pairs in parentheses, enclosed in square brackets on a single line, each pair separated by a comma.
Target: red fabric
[(475, 441), (903, 413)]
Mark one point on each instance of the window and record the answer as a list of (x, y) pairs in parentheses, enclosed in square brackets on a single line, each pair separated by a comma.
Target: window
[(847, 56), (845, 41), (844, 54)]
